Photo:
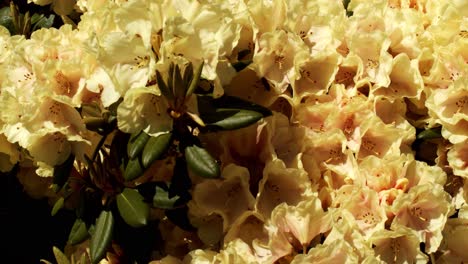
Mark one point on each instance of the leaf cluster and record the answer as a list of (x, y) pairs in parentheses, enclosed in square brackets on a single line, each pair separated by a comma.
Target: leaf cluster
[(116, 188)]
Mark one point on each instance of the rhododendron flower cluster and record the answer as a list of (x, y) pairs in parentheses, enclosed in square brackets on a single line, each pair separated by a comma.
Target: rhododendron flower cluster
[(333, 176)]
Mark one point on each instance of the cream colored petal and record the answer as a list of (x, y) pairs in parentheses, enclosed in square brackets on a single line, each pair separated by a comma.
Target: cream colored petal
[(232, 195), (143, 109), (281, 184), (425, 209), (458, 159)]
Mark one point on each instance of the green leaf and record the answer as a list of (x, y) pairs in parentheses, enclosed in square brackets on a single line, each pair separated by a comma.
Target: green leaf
[(132, 208), (136, 144), (188, 76), (233, 102), (133, 170), (163, 200), (60, 256), (163, 87), (201, 162), (78, 232), (96, 124), (155, 148), (44, 22), (430, 133), (102, 237), (6, 20), (62, 173), (57, 206), (178, 86), (240, 65), (196, 78), (229, 119)]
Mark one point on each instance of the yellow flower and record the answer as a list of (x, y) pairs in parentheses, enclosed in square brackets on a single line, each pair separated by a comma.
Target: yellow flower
[(398, 246), (275, 58), (405, 79), (302, 222), (232, 194), (425, 209), (364, 205), (281, 185), (457, 157)]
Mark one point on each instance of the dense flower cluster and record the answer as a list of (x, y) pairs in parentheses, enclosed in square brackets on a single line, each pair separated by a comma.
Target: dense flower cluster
[(331, 177)]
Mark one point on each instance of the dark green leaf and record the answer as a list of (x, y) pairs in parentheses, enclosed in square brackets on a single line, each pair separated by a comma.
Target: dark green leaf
[(136, 144), (6, 20), (155, 148), (430, 133), (78, 232), (96, 124), (62, 173), (233, 102), (188, 76), (163, 87), (229, 119), (57, 206), (162, 199), (240, 65), (102, 236), (133, 170), (196, 78), (60, 257), (132, 208), (201, 162), (178, 86)]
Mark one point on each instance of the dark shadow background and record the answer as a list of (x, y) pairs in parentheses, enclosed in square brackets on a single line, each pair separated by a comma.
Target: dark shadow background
[(28, 231)]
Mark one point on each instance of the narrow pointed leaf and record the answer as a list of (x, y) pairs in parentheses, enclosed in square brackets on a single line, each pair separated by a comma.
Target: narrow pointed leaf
[(60, 257), (233, 102), (136, 144), (62, 173), (188, 75), (78, 232), (201, 162), (162, 199), (133, 170), (196, 78), (178, 86), (57, 206), (163, 87), (132, 208), (430, 133), (229, 119), (102, 236), (155, 148)]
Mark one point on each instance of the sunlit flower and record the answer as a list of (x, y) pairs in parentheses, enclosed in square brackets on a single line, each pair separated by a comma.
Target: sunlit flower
[(398, 246), (425, 209), (336, 252), (405, 80), (281, 185), (275, 57), (363, 204), (450, 106), (302, 222)]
